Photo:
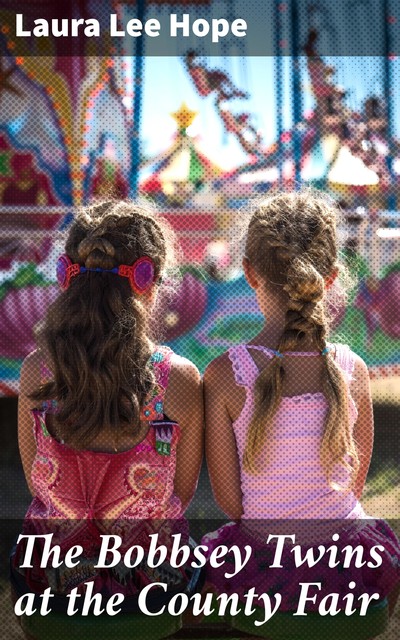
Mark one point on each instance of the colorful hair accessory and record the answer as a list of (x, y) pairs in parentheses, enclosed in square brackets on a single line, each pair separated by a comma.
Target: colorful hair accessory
[(325, 351), (140, 274), (278, 354), (65, 270)]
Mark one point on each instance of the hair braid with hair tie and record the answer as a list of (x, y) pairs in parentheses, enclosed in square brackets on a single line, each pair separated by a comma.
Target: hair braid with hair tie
[(291, 242), (95, 251)]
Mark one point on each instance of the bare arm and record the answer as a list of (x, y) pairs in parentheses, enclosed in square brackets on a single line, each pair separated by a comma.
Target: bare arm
[(29, 381), (184, 403), (221, 453), (364, 427)]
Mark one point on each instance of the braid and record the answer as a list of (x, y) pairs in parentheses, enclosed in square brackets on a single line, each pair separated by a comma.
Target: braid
[(292, 242)]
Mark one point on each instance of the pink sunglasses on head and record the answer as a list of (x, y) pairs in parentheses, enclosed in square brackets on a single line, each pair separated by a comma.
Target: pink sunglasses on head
[(140, 274)]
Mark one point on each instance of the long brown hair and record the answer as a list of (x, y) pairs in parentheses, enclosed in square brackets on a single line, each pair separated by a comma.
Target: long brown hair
[(292, 243), (96, 334)]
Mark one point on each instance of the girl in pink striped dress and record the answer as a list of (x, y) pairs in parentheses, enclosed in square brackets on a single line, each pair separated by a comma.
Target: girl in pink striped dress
[(110, 424), (289, 425)]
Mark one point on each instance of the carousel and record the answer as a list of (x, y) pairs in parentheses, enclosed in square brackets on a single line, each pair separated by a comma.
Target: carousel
[(64, 140), (86, 145), (183, 182)]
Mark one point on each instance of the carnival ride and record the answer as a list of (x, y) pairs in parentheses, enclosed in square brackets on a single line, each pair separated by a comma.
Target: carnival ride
[(341, 150), (86, 143), (345, 152), (181, 181)]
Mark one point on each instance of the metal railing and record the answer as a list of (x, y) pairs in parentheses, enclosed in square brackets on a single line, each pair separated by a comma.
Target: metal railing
[(375, 236)]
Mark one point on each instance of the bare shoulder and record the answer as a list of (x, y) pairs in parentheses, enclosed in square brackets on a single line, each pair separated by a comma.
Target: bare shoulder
[(360, 367), (184, 371), (222, 393), (220, 370), (183, 397)]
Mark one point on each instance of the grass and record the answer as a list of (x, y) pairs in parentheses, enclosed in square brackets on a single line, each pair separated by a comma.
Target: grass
[(383, 482)]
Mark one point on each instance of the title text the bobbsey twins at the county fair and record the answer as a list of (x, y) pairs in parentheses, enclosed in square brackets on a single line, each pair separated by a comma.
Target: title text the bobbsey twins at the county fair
[(231, 559)]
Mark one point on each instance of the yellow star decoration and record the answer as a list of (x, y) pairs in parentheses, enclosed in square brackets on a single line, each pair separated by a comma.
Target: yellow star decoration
[(184, 116)]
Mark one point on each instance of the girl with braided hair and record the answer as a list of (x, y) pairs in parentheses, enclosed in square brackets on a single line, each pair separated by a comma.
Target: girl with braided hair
[(116, 441), (289, 424)]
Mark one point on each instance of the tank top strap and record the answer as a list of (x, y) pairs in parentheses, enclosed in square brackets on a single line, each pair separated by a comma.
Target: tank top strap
[(153, 409), (39, 428), (243, 366), (46, 375), (160, 363), (345, 359)]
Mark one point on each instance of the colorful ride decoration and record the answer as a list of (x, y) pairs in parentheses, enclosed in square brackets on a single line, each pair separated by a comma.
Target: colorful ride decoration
[(205, 317), (182, 181), (347, 152), (181, 176), (350, 154), (24, 298), (232, 316), (21, 183), (108, 180), (22, 186), (186, 309), (64, 139), (63, 130), (218, 83), (79, 149), (379, 301)]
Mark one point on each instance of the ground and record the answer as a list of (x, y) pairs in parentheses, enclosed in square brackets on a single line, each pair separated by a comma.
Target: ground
[(382, 496)]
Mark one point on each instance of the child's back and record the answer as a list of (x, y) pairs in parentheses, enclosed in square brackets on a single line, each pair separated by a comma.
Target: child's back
[(293, 484), (116, 441), (289, 424), (136, 482)]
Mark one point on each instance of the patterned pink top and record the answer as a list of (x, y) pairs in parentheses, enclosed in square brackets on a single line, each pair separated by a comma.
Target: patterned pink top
[(293, 483), (135, 484), (83, 494)]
